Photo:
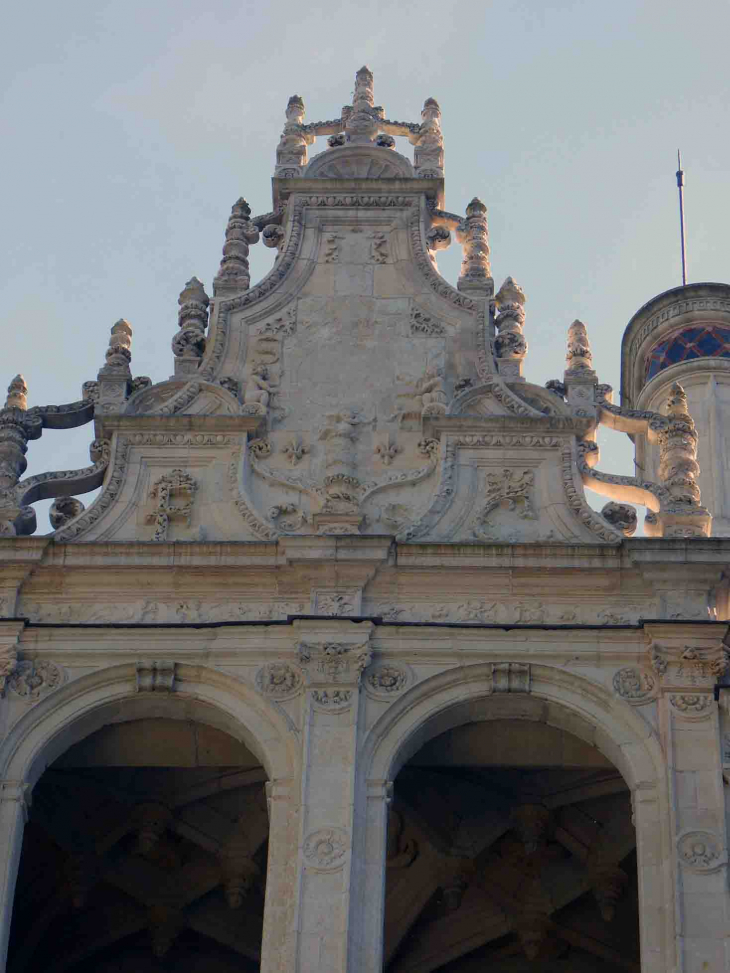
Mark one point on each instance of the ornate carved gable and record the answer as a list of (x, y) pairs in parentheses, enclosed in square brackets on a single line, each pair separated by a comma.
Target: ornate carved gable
[(353, 390)]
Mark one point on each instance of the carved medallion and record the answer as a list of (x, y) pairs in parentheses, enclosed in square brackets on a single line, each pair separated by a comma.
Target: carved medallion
[(326, 848), (634, 685), (700, 851), (279, 680), (35, 678), (386, 680)]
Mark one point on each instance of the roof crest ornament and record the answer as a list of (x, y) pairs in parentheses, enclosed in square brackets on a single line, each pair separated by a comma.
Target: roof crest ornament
[(362, 123)]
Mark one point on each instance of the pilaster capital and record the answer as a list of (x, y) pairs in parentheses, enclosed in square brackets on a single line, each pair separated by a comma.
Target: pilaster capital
[(333, 652), (687, 657), (16, 792)]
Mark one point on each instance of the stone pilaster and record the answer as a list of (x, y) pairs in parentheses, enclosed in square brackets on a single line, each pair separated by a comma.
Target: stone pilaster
[(14, 801), (333, 655), (687, 661)]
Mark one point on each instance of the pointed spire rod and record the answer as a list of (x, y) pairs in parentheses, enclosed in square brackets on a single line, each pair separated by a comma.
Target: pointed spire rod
[(680, 187)]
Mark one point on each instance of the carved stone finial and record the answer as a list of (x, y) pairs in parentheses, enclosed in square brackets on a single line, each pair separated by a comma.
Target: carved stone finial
[(17, 394), (578, 356), (361, 120), (189, 342), (473, 235), (428, 155), (678, 466), (233, 274), (291, 152), (510, 344), (17, 426), (364, 88), (119, 352)]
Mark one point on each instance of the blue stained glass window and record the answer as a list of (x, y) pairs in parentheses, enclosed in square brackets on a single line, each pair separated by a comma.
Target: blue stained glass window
[(710, 341)]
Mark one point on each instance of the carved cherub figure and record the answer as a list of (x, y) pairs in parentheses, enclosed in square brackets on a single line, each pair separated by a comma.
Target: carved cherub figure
[(258, 388)]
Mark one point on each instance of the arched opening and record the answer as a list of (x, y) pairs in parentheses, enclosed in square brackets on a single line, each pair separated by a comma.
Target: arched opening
[(510, 847), (145, 848), (510, 841)]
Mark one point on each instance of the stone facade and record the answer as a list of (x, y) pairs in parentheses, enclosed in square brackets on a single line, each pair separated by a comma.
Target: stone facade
[(340, 671)]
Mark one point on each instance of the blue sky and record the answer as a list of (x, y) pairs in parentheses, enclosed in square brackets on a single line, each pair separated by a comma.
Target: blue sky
[(129, 129)]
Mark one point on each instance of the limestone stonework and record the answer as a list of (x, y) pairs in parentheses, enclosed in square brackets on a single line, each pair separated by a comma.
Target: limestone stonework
[(340, 671)]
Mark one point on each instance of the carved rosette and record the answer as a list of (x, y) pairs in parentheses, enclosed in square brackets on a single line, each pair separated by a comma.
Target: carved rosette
[(279, 680), (636, 686), (326, 849), (32, 679), (386, 680), (700, 851)]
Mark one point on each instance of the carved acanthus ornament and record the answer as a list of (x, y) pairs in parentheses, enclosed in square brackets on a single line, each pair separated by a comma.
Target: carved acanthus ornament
[(510, 345), (334, 663)]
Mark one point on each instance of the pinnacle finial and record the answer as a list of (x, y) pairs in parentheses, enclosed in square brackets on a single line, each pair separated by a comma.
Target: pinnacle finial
[(578, 356), (17, 394)]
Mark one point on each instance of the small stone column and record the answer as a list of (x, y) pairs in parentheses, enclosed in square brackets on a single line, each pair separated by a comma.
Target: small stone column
[(687, 660), (333, 655), (14, 800)]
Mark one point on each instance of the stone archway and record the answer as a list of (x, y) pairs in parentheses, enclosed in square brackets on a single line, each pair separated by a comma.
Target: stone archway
[(540, 695), (203, 826)]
